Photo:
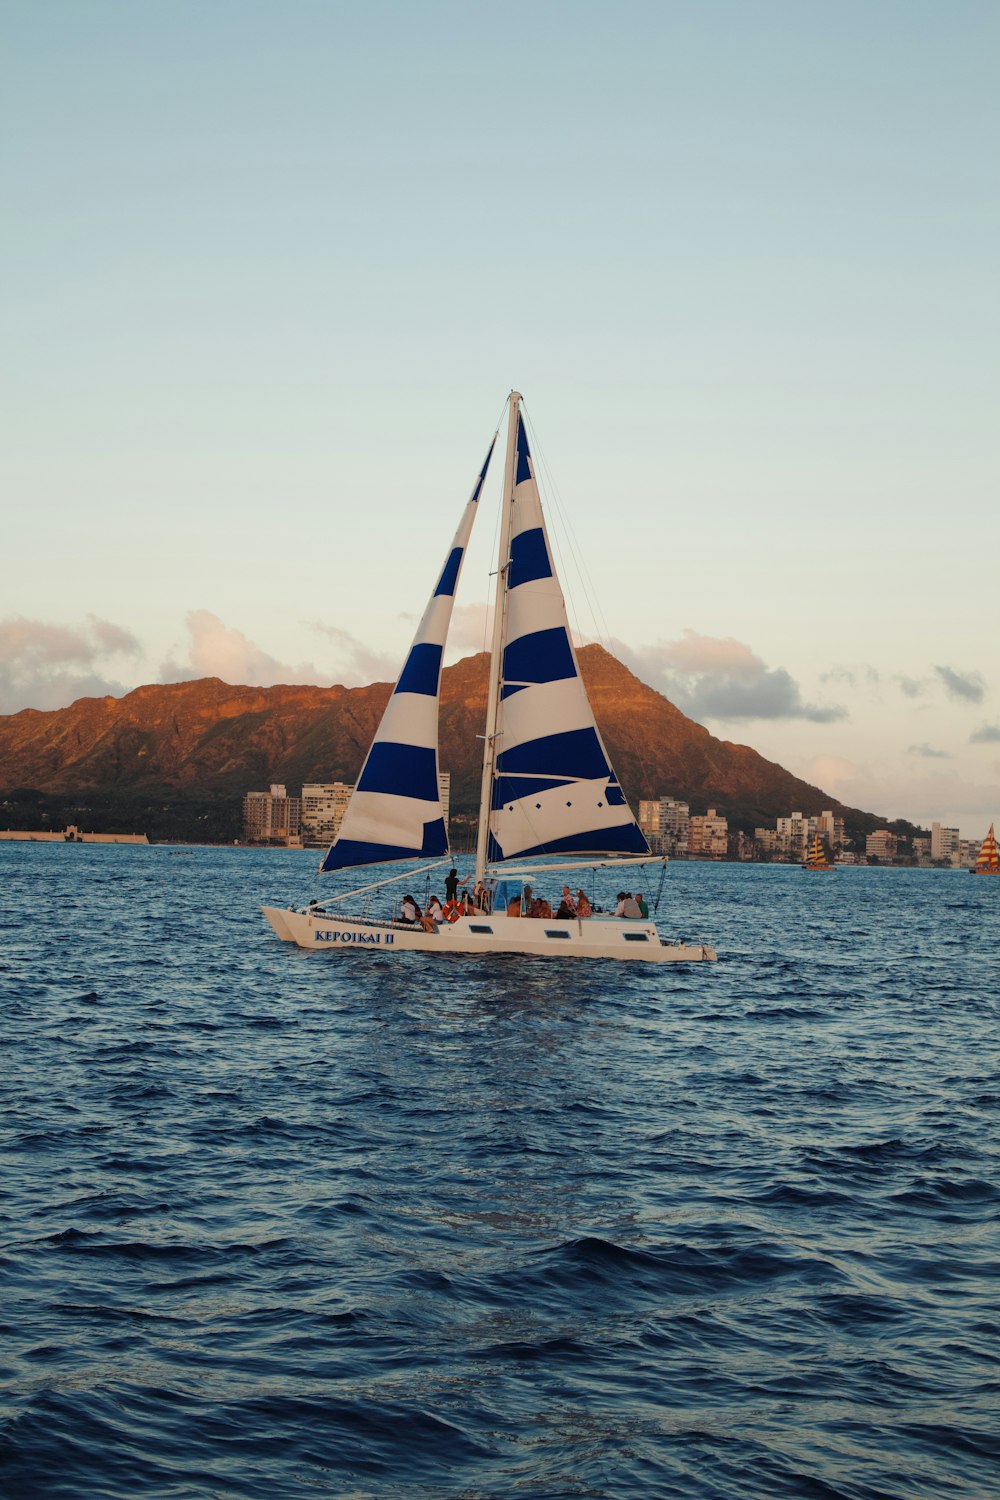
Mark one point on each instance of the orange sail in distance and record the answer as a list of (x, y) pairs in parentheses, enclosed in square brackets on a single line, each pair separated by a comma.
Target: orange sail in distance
[(988, 862), (817, 858)]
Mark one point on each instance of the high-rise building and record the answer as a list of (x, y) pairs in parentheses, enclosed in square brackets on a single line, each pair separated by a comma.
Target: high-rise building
[(323, 806), (881, 844), (272, 817), (793, 835), (708, 835), (664, 821), (945, 843)]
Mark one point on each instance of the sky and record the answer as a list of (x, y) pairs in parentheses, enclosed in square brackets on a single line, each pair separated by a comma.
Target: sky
[(269, 271)]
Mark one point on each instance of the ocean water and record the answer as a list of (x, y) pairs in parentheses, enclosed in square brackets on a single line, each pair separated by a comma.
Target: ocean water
[(280, 1224)]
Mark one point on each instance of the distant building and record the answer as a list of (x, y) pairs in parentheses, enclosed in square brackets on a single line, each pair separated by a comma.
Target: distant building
[(830, 828), (968, 852), (766, 840), (664, 821), (881, 844), (323, 806), (793, 835), (272, 817), (444, 792), (708, 835), (921, 847), (945, 843)]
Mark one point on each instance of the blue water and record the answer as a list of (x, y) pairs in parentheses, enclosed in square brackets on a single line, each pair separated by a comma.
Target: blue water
[(354, 1224)]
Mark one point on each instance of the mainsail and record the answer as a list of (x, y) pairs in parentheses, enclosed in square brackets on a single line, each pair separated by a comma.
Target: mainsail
[(395, 811), (551, 787)]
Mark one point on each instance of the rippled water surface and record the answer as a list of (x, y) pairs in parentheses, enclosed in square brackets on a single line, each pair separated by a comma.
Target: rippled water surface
[(356, 1224)]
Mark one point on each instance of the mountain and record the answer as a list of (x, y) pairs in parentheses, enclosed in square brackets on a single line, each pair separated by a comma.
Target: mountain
[(176, 758)]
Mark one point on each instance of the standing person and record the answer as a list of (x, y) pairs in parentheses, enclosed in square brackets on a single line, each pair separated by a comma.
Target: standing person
[(451, 885), (641, 903)]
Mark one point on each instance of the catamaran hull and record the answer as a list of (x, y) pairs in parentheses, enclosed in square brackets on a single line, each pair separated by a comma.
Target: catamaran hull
[(598, 937)]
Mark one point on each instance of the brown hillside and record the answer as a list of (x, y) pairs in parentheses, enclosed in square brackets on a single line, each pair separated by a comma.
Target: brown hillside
[(209, 739)]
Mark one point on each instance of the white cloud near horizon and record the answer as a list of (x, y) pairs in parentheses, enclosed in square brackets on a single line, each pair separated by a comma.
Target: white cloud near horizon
[(712, 677), (45, 665), (219, 650), (917, 795)]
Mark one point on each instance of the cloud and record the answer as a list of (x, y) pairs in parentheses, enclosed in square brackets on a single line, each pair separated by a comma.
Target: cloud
[(966, 685), (358, 663), (928, 752), (909, 685), (711, 677), (45, 665), (470, 626), (217, 650), (892, 789), (986, 734)]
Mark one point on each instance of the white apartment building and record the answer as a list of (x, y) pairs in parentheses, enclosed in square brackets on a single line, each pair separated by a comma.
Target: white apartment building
[(830, 828), (881, 844), (708, 836), (323, 806), (272, 817), (665, 823), (945, 843), (792, 834)]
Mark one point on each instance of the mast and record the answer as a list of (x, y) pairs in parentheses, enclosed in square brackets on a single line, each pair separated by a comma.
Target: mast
[(496, 649)]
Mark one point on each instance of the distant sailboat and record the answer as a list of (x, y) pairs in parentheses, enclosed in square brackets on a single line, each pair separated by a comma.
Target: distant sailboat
[(548, 787), (817, 857), (988, 861)]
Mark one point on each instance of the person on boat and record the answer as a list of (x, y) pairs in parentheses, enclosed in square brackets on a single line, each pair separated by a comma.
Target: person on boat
[(628, 906), (567, 900), (435, 910), (566, 911), (640, 901), (520, 906), (471, 909), (411, 912), (583, 906), (540, 908), (452, 883), (483, 897)]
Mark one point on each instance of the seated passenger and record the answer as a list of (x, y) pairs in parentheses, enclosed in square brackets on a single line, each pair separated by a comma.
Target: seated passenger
[(411, 911), (514, 906), (566, 911), (641, 903), (567, 900), (541, 908), (583, 906), (435, 909), (628, 906)]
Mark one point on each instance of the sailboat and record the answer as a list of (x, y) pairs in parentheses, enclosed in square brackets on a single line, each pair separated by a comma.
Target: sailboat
[(816, 857), (988, 859), (548, 787)]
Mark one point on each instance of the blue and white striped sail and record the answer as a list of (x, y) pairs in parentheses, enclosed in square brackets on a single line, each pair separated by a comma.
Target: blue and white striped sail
[(554, 790), (395, 811)]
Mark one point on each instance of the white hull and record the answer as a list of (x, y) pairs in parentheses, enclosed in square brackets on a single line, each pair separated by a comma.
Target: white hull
[(597, 937)]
